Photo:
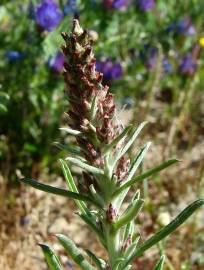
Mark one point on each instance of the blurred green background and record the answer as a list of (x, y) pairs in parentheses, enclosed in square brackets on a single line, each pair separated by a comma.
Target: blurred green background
[(150, 51)]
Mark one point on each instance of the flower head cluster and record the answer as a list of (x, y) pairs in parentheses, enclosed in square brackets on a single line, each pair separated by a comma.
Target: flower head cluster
[(48, 15), (92, 108)]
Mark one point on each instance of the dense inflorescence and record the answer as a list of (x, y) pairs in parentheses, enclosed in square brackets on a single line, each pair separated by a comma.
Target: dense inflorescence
[(92, 108)]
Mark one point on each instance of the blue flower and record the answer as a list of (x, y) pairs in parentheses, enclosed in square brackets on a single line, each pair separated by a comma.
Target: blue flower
[(70, 7), (48, 15), (56, 63), (14, 56), (167, 67), (183, 27), (110, 70), (146, 5)]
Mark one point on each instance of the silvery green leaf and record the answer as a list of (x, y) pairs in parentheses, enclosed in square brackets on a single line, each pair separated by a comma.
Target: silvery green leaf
[(118, 139), (129, 229), (71, 131), (129, 214), (119, 266), (160, 264), (98, 262), (70, 149), (131, 140), (52, 260), (135, 164), (96, 195), (58, 191), (85, 166), (136, 196), (145, 175), (131, 249), (72, 187), (74, 252), (137, 161), (164, 232)]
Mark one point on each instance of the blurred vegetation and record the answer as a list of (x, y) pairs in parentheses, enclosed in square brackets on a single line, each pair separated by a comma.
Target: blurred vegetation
[(159, 50)]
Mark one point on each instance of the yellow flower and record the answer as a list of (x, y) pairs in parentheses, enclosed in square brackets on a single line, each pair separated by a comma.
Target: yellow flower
[(201, 41)]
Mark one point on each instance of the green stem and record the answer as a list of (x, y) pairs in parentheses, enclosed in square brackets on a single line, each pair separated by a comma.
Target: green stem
[(112, 241)]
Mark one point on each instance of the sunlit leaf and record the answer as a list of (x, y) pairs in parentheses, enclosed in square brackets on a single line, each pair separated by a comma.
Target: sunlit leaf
[(52, 259), (74, 252)]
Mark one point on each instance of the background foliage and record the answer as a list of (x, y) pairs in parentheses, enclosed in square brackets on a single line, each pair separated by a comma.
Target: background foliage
[(157, 51)]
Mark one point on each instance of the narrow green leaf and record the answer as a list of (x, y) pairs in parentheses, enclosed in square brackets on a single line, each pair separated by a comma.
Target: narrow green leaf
[(71, 185), (131, 249), (85, 166), (129, 214), (137, 161), (119, 138), (136, 196), (135, 164), (52, 260), (129, 229), (58, 191), (98, 262), (160, 264), (145, 175), (72, 150), (133, 136), (74, 252), (172, 226), (71, 131)]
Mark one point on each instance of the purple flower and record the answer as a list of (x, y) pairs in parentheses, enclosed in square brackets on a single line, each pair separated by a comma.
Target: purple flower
[(188, 65), (183, 26), (110, 70), (48, 15), (56, 63), (167, 67), (149, 56), (117, 4), (146, 5)]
